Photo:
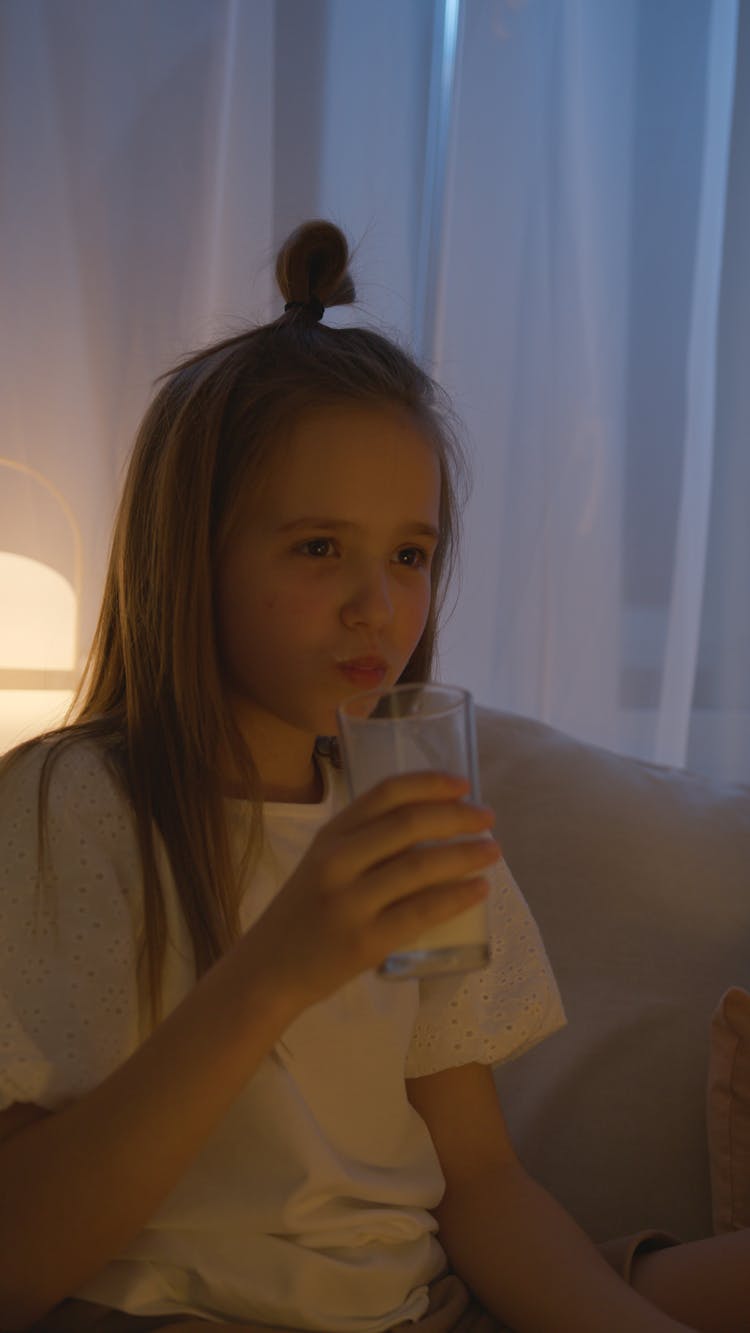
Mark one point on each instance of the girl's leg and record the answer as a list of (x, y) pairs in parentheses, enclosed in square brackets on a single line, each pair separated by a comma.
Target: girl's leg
[(703, 1283)]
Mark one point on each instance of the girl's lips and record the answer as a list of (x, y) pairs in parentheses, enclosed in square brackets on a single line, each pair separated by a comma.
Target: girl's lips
[(355, 672), (365, 664)]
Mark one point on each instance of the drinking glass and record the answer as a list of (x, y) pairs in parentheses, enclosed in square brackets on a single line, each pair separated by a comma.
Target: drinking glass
[(406, 729)]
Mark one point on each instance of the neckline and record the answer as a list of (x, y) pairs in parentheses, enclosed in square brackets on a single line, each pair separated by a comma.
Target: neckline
[(327, 773)]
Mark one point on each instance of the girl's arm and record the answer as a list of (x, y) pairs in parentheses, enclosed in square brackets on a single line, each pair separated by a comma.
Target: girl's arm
[(530, 1264), (76, 1186), (518, 1250), (129, 1140)]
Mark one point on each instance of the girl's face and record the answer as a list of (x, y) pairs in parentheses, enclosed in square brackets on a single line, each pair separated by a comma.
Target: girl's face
[(328, 562)]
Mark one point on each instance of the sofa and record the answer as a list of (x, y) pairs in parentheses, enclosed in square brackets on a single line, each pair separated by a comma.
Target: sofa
[(637, 1114)]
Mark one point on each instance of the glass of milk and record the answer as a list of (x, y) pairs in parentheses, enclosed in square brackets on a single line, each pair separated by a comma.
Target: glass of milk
[(402, 730)]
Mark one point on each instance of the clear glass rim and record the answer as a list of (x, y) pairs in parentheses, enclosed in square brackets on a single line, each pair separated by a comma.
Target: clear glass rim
[(460, 696)]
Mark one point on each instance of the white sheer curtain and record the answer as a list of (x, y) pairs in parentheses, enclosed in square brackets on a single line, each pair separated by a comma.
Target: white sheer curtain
[(550, 200), (580, 316)]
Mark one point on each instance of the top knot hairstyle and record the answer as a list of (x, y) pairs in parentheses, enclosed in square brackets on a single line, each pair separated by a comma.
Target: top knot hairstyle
[(151, 694), (312, 272)]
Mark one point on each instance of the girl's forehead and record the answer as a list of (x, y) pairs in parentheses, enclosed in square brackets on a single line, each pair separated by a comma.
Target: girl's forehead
[(344, 446), (369, 466)]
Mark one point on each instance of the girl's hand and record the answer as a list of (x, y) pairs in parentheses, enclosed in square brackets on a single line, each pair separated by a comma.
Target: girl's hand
[(363, 889)]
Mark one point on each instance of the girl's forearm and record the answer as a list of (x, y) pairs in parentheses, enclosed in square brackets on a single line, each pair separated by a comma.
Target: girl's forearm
[(704, 1281), (530, 1264), (77, 1185)]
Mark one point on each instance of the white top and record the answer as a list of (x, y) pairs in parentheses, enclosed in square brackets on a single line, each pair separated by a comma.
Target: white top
[(309, 1205)]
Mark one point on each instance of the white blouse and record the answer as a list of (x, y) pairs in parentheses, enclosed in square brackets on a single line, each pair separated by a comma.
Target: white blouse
[(309, 1205)]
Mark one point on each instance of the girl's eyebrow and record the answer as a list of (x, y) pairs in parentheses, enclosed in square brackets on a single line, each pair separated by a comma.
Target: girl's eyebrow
[(315, 521)]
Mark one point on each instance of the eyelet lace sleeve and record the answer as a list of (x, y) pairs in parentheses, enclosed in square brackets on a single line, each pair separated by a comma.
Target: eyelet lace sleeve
[(68, 993), (496, 1014)]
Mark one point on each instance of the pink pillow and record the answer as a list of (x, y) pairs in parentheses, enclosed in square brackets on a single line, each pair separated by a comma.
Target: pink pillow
[(728, 1111)]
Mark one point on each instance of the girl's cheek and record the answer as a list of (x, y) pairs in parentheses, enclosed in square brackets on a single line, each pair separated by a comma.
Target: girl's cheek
[(293, 603), (422, 607), (420, 619)]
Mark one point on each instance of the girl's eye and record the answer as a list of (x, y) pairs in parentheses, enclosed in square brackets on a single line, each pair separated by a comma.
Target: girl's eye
[(317, 541), (421, 555)]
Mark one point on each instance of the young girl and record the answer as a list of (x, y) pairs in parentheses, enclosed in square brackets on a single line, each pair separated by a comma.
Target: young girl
[(214, 1111)]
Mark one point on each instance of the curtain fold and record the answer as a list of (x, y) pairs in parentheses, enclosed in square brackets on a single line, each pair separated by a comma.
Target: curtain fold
[(567, 247), (691, 545)]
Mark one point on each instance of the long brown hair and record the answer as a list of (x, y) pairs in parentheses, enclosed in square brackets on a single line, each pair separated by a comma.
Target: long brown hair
[(151, 691)]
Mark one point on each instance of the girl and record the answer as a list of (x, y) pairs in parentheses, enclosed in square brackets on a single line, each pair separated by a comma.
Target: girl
[(216, 1113)]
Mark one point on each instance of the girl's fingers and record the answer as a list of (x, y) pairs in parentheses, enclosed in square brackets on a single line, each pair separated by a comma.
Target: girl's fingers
[(409, 917), (373, 877), (424, 784), (396, 833), (425, 869), (399, 790), (394, 816)]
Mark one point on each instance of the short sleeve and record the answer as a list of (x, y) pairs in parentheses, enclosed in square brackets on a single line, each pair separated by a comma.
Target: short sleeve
[(68, 980), (493, 1015)]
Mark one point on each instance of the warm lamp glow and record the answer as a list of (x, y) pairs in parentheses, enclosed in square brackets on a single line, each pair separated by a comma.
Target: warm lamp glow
[(37, 635), (37, 615)]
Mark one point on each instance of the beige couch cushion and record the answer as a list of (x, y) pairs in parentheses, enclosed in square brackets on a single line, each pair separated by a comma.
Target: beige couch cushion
[(639, 878)]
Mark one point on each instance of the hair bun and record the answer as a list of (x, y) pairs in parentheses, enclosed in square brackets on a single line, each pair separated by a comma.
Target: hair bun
[(312, 262)]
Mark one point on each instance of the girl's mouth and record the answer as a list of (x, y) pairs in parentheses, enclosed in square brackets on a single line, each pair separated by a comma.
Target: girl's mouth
[(362, 675)]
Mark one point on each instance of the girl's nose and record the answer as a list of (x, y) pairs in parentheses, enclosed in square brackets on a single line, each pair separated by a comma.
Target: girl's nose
[(369, 600)]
